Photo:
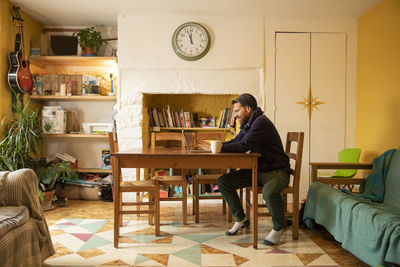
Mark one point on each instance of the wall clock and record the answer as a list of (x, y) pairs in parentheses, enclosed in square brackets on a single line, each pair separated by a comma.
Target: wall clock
[(191, 41)]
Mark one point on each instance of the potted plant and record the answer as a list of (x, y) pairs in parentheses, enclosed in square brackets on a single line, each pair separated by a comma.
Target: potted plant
[(89, 40), (47, 177), (20, 145)]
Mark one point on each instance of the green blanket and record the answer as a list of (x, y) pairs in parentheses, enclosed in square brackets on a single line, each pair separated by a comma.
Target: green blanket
[(373, 188)]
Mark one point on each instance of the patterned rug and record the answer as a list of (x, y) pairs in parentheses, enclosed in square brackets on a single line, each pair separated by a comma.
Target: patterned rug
[(89, 242)]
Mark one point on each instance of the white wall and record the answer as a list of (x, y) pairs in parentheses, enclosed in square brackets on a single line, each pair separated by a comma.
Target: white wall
[(145, 42)]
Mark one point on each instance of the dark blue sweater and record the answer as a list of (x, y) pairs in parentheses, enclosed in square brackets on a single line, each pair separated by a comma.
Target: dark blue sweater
[(260, 136)]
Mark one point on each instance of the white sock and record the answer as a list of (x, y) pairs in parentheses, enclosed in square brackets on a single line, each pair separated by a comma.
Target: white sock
[(274, 236), (237, 226)]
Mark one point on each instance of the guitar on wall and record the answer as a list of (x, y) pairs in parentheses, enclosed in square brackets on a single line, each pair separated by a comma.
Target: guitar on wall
[(19, 76)]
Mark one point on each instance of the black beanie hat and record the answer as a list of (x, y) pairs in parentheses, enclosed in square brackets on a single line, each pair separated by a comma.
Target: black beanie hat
[(246, 100)]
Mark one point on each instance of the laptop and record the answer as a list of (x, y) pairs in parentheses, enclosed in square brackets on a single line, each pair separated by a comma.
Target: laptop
[(192, 150)]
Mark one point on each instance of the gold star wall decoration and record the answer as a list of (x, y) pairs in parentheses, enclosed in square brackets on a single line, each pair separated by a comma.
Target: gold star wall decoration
[(310, 103)]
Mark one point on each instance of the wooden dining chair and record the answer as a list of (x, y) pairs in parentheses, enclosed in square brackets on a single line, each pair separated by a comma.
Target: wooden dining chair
[(167, 138), (293, 188), (139, 186), (202, 179)]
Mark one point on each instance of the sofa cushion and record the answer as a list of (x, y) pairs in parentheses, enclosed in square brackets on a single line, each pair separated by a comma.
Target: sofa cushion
[(11, 217), (392, 184)]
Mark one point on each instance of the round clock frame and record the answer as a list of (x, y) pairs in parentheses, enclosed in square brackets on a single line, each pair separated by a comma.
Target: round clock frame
[(186, 31)]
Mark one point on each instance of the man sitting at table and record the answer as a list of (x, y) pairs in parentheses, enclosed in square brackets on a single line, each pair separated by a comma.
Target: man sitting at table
[(257, 134)]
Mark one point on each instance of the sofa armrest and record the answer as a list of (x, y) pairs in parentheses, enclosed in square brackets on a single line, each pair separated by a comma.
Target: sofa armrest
[(20, 188), (315, 166)]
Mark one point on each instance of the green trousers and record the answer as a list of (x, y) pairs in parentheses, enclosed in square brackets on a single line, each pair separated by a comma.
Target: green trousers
[(273, 183)]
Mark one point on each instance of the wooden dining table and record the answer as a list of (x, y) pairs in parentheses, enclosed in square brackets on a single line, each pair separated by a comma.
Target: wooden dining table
[(183, 159)]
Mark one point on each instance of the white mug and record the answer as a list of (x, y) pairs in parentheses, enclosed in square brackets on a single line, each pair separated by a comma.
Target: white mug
[(216, 146)]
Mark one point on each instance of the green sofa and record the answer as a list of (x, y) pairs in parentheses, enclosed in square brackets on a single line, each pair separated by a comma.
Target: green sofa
[(369, 230)]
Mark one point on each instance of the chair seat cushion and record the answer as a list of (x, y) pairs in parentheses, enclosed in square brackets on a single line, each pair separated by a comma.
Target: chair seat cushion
[(11, 217)]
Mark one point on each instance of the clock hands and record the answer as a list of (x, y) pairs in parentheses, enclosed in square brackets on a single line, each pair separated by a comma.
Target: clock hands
[(190, 35)]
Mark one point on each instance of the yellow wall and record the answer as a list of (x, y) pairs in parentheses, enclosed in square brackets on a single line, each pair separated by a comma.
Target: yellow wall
[(32, 30), (378, 80)]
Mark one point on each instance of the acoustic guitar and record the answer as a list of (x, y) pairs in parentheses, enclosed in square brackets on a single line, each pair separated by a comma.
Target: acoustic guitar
[(19, 76)]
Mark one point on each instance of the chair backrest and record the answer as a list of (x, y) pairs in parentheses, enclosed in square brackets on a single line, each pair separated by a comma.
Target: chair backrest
[(167, 136), (113, 141), (295, 158), (350, 155), (201, 136)]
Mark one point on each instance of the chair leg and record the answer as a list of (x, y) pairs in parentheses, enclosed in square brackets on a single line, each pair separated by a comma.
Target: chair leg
[(248, 204), (120, 208), (223, 207), (117, 217), (295, 221), (138, 199), (193, 207), (196, 201), (152, 197), (184, 200), (157, 211)]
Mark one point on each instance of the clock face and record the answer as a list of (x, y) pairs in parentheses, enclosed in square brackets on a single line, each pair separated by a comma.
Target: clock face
[(191, 41)]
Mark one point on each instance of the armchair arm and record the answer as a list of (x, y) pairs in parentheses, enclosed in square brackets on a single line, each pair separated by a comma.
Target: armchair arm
[(315, 166), (20, 188)]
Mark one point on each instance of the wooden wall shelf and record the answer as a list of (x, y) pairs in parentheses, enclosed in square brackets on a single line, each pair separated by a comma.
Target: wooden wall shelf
[(74, 98), (43, 61), (194, 129), (77, 135)]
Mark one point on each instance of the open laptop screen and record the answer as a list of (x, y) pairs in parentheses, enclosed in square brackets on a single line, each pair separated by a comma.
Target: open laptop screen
[(187, 145)]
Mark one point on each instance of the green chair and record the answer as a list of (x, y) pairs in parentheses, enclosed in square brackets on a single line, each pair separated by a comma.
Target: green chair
[(346, 155)]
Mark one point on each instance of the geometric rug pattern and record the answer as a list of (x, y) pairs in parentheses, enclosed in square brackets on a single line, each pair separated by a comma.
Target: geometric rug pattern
[(89, 242)]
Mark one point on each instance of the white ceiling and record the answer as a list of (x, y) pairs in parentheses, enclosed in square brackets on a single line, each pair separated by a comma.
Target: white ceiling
[(105, 12)]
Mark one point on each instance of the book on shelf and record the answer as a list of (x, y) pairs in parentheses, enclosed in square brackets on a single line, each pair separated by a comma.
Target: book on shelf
[(165, 118), (182, 119), (222, 120), (156, 119), (152, 122), (170, 121)]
